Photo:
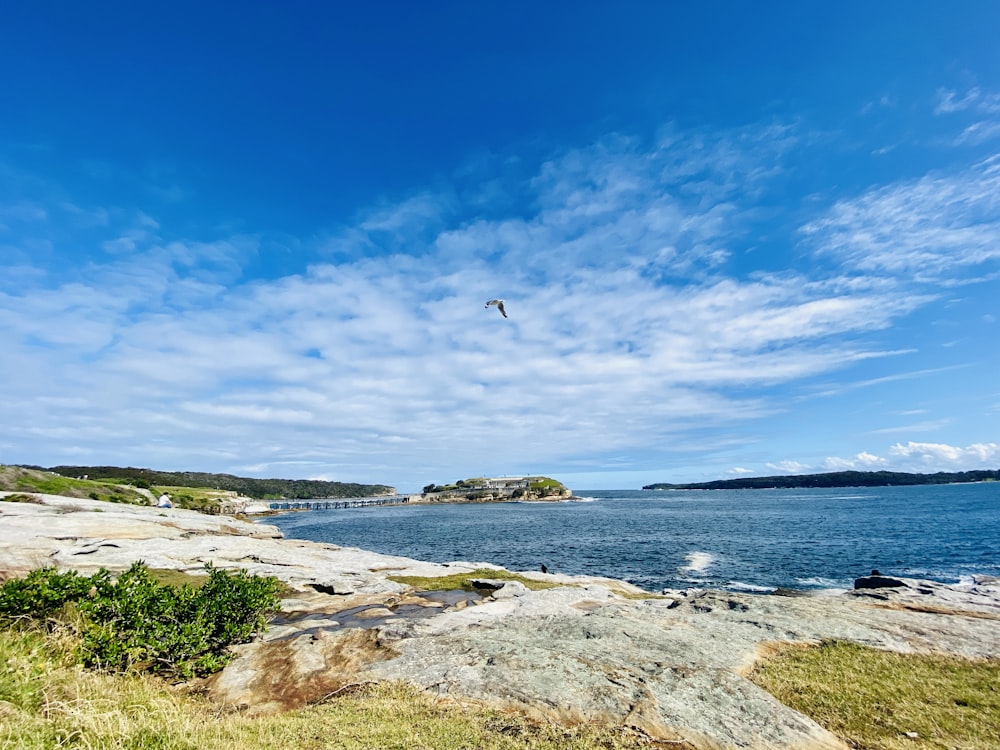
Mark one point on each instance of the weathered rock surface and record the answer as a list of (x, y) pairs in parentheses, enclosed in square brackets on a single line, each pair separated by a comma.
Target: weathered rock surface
[(88, 534), (671, 666)]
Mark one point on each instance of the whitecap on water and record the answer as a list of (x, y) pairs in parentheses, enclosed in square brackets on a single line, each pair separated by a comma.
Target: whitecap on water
[(697, 561), (751, 587)]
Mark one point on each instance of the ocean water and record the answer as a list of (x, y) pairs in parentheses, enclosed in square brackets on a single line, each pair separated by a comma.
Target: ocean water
[(750, 540)]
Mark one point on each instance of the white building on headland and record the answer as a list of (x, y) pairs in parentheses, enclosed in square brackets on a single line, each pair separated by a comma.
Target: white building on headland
[(507, 483)]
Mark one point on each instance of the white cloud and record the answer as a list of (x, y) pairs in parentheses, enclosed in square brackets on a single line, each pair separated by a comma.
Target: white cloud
[(789, 467), (629, 330), (912, 457), (938, 455), (937, 227), (950, 101), (863, 461), (925, 426), (978, 133), (977, 103)]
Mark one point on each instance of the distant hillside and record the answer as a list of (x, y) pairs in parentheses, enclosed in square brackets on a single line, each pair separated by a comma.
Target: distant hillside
[(837, 479), (259, 489)]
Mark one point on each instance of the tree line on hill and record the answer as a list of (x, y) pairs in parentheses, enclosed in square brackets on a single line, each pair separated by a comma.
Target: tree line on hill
[(836, 479), (258, 489)]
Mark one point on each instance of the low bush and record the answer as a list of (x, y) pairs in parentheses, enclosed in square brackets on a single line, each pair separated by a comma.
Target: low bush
[(42, 593), (136, 622)]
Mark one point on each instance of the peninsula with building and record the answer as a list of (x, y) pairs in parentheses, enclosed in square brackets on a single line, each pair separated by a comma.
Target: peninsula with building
[(494, 490)]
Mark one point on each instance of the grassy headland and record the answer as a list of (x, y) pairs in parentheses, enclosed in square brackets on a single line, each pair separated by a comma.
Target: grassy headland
[(24, 480), (208, 493), (21, 479), (258, 489)]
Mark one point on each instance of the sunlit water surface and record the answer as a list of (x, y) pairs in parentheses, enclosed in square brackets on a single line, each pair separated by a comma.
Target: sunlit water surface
[(754, 540)]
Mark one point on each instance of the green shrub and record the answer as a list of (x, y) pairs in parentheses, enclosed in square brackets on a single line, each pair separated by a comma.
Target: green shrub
[(136, 622), (43, 592)]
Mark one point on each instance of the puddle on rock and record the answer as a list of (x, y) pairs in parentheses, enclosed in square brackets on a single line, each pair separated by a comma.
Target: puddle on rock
[(452, 597), (373, 615)]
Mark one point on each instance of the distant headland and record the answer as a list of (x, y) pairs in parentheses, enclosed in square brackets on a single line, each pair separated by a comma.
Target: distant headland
[(495, 489), (258, 489), (836, 479)]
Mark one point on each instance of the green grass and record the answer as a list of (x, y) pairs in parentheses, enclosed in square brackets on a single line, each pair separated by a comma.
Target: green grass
[(47, 702), (194, 498), (873, 699), (16, 479), (545, 483), (195, 492), (463, 580), (20, 497), (178, 578)]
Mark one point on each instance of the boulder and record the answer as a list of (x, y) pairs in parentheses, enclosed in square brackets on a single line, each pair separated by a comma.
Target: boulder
[(876, 581), (510, 589)]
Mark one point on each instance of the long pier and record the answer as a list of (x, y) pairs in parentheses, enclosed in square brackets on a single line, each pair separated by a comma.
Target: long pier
[(339, 503)]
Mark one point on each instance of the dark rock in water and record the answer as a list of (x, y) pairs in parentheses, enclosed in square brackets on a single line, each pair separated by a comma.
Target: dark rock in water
[(875, 581)]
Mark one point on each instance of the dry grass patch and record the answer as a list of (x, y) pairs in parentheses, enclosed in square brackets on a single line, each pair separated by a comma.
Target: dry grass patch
[(48, 702), (881, 700)]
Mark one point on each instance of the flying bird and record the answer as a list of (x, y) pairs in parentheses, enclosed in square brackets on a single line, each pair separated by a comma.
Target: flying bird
[(499, 304)]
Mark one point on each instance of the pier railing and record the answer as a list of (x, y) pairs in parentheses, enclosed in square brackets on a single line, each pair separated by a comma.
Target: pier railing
[(339, 503)]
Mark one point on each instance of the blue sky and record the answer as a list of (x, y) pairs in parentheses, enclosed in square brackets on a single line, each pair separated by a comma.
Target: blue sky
[(733, 239)]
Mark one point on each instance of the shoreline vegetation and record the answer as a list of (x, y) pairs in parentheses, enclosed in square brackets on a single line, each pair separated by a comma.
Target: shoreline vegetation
[(256, 489), (836, 479), (200, 491)]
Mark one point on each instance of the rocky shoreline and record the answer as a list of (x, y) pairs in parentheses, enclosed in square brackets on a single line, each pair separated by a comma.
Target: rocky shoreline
[(586, 649)]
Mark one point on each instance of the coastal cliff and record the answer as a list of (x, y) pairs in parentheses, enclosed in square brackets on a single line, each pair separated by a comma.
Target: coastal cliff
[(565, 648)]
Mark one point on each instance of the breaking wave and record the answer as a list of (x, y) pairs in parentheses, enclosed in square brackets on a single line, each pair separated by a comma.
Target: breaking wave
[(697, 562)]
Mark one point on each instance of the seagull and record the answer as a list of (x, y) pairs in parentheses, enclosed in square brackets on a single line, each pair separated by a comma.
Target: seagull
[(499, 304)]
